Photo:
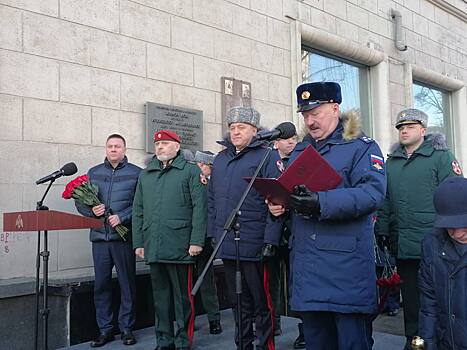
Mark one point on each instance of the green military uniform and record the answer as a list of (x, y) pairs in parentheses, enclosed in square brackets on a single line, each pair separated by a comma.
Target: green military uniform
[(408, 212), (169, 215)]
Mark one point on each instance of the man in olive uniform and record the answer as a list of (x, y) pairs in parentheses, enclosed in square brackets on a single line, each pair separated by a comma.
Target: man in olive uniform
[(169, 229), (418, 163)]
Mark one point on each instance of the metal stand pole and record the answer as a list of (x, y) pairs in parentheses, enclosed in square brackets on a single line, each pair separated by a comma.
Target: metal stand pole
[(45, 268), (45, 284)]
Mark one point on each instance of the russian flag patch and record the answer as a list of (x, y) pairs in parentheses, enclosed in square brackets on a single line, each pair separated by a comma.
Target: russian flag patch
[(377, 163)]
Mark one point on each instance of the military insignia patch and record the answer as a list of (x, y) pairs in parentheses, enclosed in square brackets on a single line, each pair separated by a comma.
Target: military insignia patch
[(366, 139), (456, 167), (305, 95), (377, 163), (280, 166)]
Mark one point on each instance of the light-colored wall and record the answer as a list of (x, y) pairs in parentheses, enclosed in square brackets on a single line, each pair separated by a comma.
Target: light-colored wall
[(74, 71)]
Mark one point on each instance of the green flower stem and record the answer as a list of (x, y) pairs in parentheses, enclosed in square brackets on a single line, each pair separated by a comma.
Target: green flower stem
[(122, 231)]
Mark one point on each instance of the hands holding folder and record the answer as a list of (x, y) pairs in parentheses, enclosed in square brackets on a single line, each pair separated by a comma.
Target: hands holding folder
[(297, 186), (302, 201)]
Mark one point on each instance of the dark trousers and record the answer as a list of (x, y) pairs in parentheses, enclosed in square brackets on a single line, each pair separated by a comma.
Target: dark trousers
[(275, 286), (106, 255), (336, 331), (256, 304), (208, 290), (408, 270), (173, 302)]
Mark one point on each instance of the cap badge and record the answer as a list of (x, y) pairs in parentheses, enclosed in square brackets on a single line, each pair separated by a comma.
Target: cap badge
[(305, 95)]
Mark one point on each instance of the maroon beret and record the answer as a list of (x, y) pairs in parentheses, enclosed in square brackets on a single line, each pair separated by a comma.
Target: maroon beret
[(166, 135)]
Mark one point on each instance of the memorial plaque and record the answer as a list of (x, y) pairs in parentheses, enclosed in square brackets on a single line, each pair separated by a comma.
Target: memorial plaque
[(187, 123), (234, 93)]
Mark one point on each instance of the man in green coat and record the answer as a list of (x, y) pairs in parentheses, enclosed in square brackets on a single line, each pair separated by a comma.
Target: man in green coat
[(169, 228), (415, 168)]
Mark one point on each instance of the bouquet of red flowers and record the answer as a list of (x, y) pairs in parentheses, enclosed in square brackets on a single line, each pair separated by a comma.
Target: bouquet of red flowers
[(389, 280), (389, 277), (83, 191)]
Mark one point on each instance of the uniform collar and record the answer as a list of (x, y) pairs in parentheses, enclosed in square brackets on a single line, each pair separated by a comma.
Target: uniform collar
[(231, 148), (426, 149), (178, 162), (335, 137)]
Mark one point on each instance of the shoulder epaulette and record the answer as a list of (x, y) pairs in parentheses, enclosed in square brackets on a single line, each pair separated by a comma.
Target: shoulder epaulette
[(366, 139)]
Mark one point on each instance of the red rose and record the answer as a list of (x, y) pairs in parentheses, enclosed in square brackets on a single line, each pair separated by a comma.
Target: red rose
[(67, 194), (72, 185), (82, 179)]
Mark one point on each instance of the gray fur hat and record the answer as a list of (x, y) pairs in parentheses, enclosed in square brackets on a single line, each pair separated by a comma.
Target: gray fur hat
[(188, 155), (242, 114), (411, 116)]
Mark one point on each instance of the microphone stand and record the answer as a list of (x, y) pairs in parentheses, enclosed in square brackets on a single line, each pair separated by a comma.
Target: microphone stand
[(45, 280), (231, 224)]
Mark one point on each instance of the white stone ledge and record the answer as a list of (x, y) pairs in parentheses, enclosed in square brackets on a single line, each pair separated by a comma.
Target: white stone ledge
[(430, 77), (338, 46)]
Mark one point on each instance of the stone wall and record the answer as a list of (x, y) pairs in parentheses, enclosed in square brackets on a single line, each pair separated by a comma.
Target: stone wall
[(74, 71)]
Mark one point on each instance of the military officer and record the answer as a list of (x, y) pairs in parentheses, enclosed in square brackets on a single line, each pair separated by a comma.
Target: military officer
[(332, 257), (169, 228)]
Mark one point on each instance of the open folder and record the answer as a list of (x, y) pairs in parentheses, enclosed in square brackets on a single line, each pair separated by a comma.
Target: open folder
[(309, 169)]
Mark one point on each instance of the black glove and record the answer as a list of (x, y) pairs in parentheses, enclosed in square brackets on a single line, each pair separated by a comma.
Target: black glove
[(304, 202), (382, 241), (268, 251)]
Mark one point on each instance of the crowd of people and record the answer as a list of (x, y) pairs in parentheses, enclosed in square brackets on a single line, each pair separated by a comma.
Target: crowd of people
[(321, 243)]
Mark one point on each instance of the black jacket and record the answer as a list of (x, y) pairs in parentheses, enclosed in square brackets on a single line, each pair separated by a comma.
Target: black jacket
[(443, 293)]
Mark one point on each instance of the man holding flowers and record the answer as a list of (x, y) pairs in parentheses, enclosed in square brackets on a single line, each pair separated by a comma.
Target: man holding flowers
[(116, 181)]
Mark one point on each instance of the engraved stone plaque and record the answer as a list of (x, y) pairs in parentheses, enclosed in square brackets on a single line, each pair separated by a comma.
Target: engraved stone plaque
[(187, 123)]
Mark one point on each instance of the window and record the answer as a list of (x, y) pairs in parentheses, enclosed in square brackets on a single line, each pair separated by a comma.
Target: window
[(436, 104), (353, 79)]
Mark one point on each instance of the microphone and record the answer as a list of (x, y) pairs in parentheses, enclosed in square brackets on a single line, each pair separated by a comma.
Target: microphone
[(66, 170), (284, 130)]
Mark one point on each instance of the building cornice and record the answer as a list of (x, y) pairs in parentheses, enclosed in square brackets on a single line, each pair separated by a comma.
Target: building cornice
[(450, 8)]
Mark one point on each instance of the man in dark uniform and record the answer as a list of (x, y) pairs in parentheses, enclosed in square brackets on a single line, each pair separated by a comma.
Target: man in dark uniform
[(208, 290), (116, 179), (279, 264), (283, 148), (332, 257), (259, 232), (169, 228)]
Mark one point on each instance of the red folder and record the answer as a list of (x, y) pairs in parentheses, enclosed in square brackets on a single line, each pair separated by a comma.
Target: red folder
[(309, 169)]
